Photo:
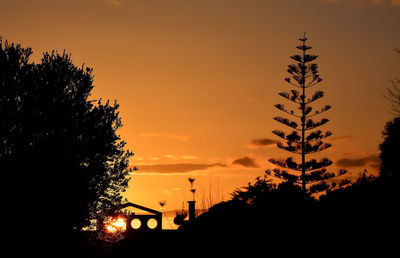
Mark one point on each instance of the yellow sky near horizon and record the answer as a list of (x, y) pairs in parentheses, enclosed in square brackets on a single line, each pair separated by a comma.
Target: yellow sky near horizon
[(197, 80)]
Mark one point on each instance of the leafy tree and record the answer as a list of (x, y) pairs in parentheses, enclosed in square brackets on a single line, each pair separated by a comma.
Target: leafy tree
[(60, 155), (304, 139)]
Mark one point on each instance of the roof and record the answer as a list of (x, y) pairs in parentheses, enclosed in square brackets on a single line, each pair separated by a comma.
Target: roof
[(129, 204)]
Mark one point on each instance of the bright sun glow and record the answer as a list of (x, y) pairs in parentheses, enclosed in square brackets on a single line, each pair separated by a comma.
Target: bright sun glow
[(115, 225)]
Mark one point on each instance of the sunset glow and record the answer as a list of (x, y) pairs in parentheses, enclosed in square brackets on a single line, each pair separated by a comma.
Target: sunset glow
[(196, 81), (115, 225)]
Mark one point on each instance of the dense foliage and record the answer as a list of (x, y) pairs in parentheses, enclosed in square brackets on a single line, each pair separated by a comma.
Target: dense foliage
[(60, 156), (389, 150)]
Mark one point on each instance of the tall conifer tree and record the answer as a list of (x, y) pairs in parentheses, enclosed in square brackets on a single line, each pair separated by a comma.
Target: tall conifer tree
[(305, 139)]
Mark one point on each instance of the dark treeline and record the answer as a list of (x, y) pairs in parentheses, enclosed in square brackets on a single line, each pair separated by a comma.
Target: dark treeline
[(269, 219)]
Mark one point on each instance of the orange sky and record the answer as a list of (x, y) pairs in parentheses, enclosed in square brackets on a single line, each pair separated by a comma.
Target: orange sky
[(197, 80)]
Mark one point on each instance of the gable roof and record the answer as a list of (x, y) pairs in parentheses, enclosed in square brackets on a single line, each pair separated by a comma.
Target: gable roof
[(129, 204)]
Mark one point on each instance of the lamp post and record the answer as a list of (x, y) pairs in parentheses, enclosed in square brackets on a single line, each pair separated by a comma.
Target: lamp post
[(192, 204)]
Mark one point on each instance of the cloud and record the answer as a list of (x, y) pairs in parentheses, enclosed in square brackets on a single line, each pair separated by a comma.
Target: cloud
[(361, 3), (170, 156), (245, 162), (260, 143), (372, 159), (187, 157), (113, 2), (182, 137), (176, 168), (169, 191)]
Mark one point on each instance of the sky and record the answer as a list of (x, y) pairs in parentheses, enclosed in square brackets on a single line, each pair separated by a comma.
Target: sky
[(197, 80)]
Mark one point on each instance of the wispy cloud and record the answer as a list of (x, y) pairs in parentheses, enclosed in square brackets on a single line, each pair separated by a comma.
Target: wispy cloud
[(361, 3), (189, 157), (175, 168), (182, 137), (245, 162), (170, 156), (186, 157), (260, 143), (372, 160), (169, 191), (113, 2)]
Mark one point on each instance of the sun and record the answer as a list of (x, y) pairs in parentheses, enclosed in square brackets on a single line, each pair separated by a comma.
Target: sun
[(114, 225)]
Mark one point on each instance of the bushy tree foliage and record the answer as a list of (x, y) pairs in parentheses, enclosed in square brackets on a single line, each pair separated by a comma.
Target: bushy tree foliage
[(390, 168), (305, 139), (283, 216), (60, 156), (389, 147)]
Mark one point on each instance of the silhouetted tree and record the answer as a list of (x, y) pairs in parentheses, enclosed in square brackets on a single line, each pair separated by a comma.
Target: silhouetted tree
[(389, 147), (60, 155), (390, 167), (303, 141), (393, 93)]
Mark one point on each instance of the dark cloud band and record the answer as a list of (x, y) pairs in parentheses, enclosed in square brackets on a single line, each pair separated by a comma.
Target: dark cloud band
[(176, 168), (245, 162), (347, 162), (259, 142)]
